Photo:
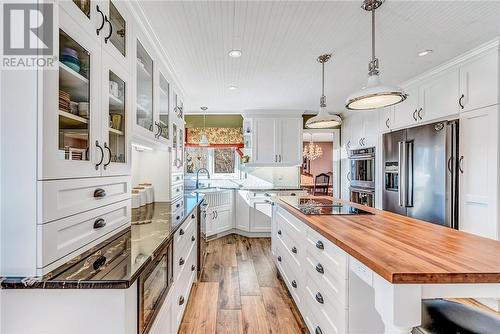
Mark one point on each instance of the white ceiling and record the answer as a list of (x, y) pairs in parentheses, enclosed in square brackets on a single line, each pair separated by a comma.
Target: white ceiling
[(281, 40)]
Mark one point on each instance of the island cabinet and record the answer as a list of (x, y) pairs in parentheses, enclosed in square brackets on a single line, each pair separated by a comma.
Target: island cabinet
[(354, 274)]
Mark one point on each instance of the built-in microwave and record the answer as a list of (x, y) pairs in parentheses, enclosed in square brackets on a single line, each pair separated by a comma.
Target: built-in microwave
[(153, 285), (362, 167)]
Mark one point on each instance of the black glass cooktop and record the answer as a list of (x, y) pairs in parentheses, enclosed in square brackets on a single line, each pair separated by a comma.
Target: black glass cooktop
[(322, 206)]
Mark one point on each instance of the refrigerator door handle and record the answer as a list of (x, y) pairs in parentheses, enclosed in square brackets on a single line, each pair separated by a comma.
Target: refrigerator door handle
[(402, 173), (409, 174)]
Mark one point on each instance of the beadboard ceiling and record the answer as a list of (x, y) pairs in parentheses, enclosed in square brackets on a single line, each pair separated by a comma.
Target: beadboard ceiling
[(281, 40)]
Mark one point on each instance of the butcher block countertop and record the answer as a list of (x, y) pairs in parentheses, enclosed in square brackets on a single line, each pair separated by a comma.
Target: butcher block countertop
[(404, 250)]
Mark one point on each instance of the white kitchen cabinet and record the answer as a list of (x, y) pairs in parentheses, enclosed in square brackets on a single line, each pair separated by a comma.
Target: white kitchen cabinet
[(223, 218), (265, 145), (478, 172), (479, 81), (363, 129), (345, 134), (220, 213), (386, 119), (242, 210), (405, 113), (290, 141), (438, 96), (260, 216), (276, 141)]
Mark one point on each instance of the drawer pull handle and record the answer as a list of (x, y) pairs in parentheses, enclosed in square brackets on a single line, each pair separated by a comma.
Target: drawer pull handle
[(178, 217), (293, 194), (193, 238), (279, 232), (99, 223), (294, 250), (178, 205), (318, 330), (279, 258), (99, 193), (101, 261), (181, 300), (319, 244), (193, 267), (181, 261), (181, 231), (319, 298), (319, 268), (294, 284)]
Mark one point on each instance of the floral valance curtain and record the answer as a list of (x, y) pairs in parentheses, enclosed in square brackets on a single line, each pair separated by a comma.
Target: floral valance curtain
[(217, 137)]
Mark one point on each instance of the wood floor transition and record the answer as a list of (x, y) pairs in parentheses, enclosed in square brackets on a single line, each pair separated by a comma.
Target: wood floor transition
[(239, 292)]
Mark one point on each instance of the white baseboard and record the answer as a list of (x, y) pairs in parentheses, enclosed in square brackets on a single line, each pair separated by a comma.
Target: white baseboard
[(240, 232)]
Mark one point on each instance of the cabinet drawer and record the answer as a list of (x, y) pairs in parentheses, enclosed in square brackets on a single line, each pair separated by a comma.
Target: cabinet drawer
[(63, 198), (291, 236), (330, 314), (177, 190), (183, 284), (291, 278), (287, 257), (177, 178), (317, 322), (324, 251), (182, 237), (178, 205), (68, 235), (284, 216)]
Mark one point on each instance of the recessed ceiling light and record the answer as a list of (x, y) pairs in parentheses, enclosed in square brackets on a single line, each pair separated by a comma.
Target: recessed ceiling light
[(424, 52), (235, 53), (233, 87)]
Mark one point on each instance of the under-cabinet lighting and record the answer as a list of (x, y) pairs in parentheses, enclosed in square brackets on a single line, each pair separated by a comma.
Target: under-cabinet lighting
[(141, 148)]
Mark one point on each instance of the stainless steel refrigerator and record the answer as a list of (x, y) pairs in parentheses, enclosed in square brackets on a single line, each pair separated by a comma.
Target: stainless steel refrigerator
[(420, 171)]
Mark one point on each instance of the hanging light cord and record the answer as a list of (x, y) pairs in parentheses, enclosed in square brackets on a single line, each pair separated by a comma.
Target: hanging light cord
[(322, 101)]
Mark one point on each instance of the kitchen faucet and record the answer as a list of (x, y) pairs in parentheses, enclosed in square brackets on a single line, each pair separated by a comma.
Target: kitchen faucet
[(198, 175)]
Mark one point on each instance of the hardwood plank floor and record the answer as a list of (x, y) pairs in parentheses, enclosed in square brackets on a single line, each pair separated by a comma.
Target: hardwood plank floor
[(239, 292)]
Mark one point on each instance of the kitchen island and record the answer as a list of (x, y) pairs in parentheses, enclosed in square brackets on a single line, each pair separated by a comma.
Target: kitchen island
[(374, 269)]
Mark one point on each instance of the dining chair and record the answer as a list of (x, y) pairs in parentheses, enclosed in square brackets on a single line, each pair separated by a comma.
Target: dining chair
[(321, 184)]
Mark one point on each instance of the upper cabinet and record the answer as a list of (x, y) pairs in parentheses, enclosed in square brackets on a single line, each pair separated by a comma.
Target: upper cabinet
[(479, 81), (105, 21), (144, 117), (364, 129), (86, 107), (275, 141)]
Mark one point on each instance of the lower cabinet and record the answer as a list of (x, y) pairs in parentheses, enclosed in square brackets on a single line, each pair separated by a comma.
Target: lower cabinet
[(315, 272), (260, 216)]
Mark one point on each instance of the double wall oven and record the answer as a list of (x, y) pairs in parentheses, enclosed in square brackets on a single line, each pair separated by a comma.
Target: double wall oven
[(362, 176)]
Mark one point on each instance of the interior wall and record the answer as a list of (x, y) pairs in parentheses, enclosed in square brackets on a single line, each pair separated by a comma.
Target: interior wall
[(152, 167), (323, 164), (272, 176)]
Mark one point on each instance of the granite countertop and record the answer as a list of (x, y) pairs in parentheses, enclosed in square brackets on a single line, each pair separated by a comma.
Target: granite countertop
[(125, 254), (406, 250)]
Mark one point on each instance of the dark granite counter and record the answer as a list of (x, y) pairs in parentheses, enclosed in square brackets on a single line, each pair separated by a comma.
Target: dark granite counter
[(116, 262)]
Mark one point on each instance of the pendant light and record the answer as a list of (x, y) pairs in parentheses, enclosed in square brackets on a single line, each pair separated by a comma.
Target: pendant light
[(312, 151), (323, 120), (375, 94), (204, 140)]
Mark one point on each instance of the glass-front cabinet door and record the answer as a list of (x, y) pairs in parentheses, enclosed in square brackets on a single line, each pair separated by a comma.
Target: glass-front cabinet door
[(164, 108), (71, 137), (144, 99), (116, 37), (115, 118), (87, 14)]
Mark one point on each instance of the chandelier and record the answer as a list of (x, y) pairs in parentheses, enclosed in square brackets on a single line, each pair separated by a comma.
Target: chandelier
[(312, 151)]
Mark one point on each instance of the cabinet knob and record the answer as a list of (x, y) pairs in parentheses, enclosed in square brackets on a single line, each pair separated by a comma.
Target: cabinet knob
[(192, 216), (193, 238), (193, 267), (294, 284), (320, 269), (99, 193), (318, 330), (319, 298), (294, 250), (181, 261), (99, 223), (279, 258), (181, 300), (181, 231), (279, 232), (319, 244)]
